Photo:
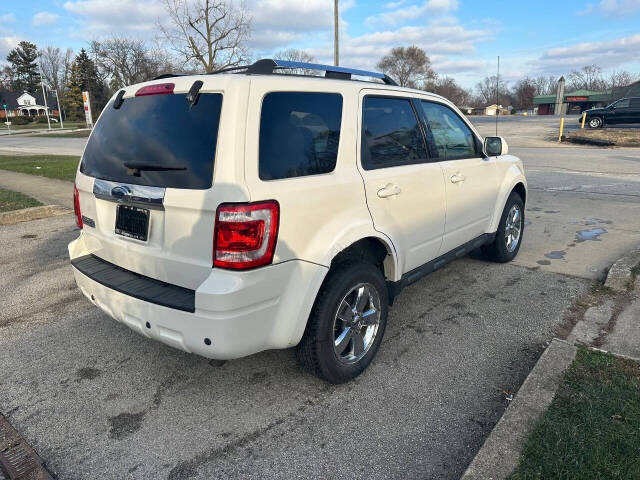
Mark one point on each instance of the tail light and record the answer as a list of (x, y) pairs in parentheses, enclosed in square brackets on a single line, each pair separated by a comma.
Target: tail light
[(76, 206), (245, 234), (156, 89)]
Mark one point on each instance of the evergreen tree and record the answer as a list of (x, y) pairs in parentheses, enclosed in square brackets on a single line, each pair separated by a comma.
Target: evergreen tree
[(24, 68), (84, 78)]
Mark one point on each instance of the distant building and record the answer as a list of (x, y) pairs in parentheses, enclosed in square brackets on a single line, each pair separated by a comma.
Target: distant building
[(573, 102), (27, 104), (492, 109)]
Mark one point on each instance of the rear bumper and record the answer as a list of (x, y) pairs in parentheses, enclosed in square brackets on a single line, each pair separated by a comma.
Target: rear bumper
[(239, 312)]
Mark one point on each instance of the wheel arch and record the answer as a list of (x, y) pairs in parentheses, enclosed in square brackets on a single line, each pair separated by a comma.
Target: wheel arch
[(374, 248), (513, 181)]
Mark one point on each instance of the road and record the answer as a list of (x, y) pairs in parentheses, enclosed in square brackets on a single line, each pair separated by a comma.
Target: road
[(99, 401)]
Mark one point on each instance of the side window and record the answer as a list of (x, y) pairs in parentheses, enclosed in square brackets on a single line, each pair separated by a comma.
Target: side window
[(622, 104), (635, 104), (299, 134), (452, 138), (391, 135)]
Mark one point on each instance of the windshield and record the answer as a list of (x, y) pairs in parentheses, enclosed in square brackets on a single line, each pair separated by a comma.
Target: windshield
[(156, 140)]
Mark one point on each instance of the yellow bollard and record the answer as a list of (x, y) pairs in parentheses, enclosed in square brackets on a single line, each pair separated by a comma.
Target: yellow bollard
[(584, 117), (561, 128)]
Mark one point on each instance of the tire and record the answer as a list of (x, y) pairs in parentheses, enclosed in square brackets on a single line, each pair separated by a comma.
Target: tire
[(595, 122), (502, 249), (331, 350)]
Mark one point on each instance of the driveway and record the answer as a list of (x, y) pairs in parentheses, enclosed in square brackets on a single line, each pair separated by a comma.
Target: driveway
[(99, 401)]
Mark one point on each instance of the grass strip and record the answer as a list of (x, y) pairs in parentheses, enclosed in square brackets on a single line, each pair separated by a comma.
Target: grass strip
[(592, 428), (62, 167), (10, 200)]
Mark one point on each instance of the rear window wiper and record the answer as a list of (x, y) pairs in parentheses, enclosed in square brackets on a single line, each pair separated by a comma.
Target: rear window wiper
[(135, 168)]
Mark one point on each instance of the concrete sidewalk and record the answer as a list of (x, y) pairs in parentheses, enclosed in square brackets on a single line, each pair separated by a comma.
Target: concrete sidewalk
[(49, 191)]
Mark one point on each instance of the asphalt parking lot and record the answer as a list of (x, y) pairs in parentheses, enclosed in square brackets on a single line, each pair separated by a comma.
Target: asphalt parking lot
[(97, 400)]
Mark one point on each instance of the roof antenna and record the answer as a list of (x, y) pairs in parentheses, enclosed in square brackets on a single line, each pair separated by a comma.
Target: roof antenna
[(497, 97)]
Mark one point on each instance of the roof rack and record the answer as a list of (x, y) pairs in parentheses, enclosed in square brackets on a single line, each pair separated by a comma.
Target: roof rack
[(267, 67)]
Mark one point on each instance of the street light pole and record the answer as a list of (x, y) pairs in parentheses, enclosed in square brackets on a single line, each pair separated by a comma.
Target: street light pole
[(59, 109), (336, 57), (44, 96)]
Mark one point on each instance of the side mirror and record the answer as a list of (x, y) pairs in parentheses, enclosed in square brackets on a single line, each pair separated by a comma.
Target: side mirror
[(494, 146)]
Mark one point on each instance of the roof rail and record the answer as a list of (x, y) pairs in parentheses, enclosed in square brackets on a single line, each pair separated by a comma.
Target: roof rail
[(267, 67)]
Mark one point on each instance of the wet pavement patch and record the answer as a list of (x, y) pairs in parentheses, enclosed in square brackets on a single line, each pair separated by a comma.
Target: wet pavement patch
[(543, 262), (125, 424), (88, 373), (589, 234), (556, 254), (18, 460)]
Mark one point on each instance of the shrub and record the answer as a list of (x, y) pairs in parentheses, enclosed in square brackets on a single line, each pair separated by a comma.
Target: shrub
[(42, 119), (20, 120)]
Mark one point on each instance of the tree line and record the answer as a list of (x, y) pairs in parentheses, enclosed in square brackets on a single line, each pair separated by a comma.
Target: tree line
[(207, 35), (411, 67)]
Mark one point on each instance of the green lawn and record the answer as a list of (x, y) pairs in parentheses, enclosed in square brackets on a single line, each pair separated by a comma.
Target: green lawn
[(79, 134), (52, 166), (592, 428), (10, 200), (34, 125)]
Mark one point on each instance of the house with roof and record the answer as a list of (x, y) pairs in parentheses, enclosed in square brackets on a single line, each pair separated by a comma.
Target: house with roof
[(27, 104)]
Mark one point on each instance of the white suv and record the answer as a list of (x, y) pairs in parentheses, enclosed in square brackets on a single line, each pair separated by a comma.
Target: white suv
[(257, 208)]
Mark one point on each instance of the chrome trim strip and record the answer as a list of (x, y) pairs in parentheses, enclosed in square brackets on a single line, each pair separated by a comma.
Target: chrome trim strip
[(129, 194)]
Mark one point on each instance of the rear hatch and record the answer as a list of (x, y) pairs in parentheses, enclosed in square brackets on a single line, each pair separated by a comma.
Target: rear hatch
[(146, 179)]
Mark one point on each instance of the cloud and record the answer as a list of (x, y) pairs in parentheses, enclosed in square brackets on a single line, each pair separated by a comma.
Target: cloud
[(115, 16), (7, 18), (612, 8), (449, 67), (8, 43), (606, 54), (411, 12), (41, 19)]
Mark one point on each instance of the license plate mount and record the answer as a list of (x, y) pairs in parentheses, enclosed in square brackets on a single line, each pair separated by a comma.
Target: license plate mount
[(132, 222)]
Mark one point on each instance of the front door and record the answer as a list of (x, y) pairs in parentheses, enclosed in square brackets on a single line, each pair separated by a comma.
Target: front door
[(405, 192), (471, 181)]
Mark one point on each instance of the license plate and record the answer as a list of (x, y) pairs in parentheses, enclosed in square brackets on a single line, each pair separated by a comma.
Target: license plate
[(132, 222)]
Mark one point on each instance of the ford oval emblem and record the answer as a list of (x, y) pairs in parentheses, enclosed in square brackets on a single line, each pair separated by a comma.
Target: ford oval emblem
[(121, 192)]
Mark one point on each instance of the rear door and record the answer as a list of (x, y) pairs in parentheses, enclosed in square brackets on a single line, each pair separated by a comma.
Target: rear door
[(470, 178), (405, 190), (620, 112), (634, 110), (146, 177)]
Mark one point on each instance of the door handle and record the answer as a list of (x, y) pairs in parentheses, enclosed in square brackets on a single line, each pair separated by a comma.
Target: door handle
[(389, 190), (457, 178)]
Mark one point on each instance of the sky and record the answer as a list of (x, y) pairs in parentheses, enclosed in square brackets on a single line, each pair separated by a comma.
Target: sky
[(463, 38)]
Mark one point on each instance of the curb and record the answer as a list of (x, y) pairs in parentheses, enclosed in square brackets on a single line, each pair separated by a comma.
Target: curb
[(500, 454), (620, 274), (34, 213)]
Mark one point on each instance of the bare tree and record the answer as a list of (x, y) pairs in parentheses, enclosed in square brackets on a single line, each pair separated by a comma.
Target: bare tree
[(209, 33), (588, 77), (56, 66), (545, 85), (124, 61), (620, 78), (295, 55), (409, 66), (523, 93), (6, 77), (487, 91), (449, 88)]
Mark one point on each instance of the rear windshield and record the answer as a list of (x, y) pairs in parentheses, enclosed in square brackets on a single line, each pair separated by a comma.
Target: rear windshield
[(157, 140)]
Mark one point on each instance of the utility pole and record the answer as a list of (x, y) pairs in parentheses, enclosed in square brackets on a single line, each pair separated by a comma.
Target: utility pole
[(44, 96), (336, 27), (497, 95), (59, 109)]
